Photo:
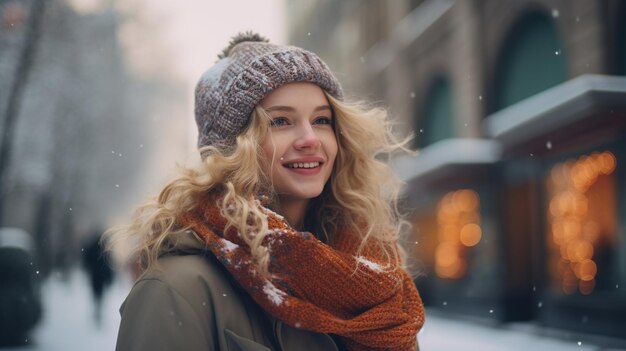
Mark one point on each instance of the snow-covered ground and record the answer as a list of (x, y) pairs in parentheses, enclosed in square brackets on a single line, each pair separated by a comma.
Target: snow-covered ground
[(445, 334), (68, 322), (69, 325)]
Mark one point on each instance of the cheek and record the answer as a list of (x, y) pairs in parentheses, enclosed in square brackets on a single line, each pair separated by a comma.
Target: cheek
[(331, 147)]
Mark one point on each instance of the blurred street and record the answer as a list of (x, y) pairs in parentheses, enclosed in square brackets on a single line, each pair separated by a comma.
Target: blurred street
[(69, 325), (68, 322)]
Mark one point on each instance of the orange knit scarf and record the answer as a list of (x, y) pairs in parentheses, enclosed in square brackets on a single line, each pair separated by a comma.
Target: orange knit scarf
[(317, 289)]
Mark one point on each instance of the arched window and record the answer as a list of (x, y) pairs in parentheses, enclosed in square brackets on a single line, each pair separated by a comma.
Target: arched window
[(436, 122), (530, 61)]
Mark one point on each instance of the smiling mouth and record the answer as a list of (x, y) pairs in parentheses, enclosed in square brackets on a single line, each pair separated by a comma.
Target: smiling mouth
[(302, 165)]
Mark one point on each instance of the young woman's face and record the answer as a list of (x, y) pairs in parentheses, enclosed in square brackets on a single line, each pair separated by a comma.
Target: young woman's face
[(301, 146)]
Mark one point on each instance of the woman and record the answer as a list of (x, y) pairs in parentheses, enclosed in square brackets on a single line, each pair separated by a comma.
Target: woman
[(285, 238)]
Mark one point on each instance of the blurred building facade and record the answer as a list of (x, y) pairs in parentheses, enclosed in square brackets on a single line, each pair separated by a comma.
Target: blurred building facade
[(78, 127), (518, 108)]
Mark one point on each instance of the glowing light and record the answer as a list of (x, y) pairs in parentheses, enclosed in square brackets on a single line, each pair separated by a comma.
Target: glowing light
[(458, 221), (582, 250), (586, 270), (586, 287), (465, 200), (607, 162), (470, 234), (446, 255), (573, 220)]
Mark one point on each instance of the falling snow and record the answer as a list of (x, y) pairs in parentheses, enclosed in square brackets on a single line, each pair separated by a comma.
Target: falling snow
[(555, 13), (274, 294), (549, 145)]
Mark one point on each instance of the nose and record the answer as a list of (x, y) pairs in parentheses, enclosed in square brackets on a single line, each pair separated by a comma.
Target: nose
[(307, 138)]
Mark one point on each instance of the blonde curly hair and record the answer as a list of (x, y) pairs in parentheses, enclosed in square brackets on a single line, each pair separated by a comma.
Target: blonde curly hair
[(361, 195)]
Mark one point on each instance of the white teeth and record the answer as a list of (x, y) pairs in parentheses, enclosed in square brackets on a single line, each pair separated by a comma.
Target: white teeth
[(303, 165)]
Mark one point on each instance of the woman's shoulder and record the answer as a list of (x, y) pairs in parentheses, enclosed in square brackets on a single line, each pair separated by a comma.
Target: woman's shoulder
[(171, 303), (186, 266)]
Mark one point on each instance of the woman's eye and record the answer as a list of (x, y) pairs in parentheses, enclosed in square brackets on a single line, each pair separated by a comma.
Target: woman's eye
[(278, 121), (324, 120)]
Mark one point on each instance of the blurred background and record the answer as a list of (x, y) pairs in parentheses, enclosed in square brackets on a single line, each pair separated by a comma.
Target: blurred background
[(517, 194)]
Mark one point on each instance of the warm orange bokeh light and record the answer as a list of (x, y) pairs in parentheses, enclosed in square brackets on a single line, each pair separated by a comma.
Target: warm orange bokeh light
[(470, 234), (446, 254), (586, 287), (465, 200), (573, 215), (586, 270), (458, 219)]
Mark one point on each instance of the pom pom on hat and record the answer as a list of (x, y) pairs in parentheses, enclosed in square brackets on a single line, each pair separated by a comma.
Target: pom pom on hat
[(240, 38)]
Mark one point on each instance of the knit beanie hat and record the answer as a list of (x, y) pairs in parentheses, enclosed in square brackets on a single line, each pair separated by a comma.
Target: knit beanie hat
[(246, 71)]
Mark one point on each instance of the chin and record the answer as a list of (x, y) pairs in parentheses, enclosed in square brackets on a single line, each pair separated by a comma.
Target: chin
[(309, 195)]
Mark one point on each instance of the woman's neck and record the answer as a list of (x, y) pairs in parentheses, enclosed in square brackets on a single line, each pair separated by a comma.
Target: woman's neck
[(293, 211)]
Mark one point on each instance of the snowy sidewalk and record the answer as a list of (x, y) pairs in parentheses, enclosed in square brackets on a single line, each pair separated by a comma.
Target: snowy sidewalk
[(441, 333), (68, 322)]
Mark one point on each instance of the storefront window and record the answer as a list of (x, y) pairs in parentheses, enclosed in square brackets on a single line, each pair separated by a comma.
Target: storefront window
[(581, 223), (458, 229)]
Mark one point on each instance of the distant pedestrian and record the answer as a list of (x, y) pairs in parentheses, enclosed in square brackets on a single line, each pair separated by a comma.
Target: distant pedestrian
[(285, 238), (96, 263)]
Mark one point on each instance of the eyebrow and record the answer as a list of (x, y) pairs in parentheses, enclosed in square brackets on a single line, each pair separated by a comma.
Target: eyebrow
[(291, 109)]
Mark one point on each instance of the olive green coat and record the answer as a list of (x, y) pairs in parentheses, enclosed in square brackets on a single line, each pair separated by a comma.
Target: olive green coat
[(190, 303)]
